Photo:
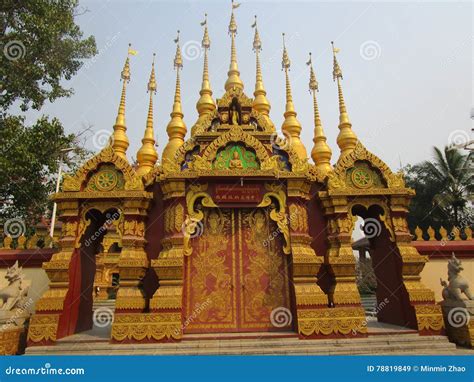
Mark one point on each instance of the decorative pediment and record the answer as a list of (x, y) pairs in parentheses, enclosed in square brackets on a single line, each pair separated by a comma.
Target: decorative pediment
[(360, 169), (229, 96), (77, 181)]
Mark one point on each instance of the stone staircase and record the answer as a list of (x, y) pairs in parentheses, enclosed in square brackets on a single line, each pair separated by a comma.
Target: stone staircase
[(386, 340), (369, 303)]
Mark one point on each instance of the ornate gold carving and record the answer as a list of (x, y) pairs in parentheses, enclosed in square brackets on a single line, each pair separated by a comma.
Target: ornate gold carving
[(149, 326), (107, 155), (429, 317), (328, 321), (43, 327), (278, 215), (10, 338)]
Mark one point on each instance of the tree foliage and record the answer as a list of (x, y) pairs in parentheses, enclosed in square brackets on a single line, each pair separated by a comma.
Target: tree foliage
[(29, 160), (41, 46), (444, 188)]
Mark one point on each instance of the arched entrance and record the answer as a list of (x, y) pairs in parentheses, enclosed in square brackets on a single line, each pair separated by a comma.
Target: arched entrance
[(393, 303), (80, 297)]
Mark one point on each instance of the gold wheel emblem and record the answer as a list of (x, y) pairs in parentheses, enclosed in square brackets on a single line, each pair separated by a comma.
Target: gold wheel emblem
[(361, 178), (106, 180)]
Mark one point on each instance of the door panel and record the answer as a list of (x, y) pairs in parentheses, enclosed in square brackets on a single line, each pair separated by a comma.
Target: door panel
[(237, 274), (211, 301), (263, 271)]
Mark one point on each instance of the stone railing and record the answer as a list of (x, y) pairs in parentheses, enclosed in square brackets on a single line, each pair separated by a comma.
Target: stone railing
[(32, 242), (442, 234)]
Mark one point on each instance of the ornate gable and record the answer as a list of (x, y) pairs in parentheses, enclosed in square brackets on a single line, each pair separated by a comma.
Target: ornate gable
[(362, 170), (103, 178)]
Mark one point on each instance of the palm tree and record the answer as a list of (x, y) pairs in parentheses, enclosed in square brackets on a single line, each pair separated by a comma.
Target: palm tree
[(450, 174)]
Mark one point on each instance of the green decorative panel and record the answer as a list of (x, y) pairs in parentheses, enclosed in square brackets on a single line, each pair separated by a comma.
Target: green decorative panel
[(235, 157)]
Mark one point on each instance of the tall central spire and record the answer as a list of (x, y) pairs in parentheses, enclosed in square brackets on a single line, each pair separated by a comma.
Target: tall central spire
[(321, 152), (233, 75), (291, 127), (260, 102), (120, 141), (205, 103), (147, 155), (176, 128), (346, 139)]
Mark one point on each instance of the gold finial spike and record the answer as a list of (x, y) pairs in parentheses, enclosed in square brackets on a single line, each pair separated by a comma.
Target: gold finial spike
[(205, 104), (291, 127), (119, 139), (431, 233), (176, 128), (321, 152), (147, 155), (260, 102), (233, 75), (346, 139)]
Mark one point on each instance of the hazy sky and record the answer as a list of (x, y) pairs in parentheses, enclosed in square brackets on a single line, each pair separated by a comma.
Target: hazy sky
[(407, 67)]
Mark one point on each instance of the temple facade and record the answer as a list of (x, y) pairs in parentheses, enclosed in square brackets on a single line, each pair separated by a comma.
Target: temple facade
[(235, 229)]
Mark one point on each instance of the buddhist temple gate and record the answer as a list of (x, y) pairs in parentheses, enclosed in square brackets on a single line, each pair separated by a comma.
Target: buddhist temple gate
[(234, 226)]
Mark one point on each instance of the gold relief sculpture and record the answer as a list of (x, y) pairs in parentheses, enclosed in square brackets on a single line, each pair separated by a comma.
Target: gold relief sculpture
[(43, 327), (69, 229), (146, 326), (329, 321), (429, 317), (178, 217), (107, 155), (134, 228)]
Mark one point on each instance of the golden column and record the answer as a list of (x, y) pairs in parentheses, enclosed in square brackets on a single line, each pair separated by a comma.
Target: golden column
[(260, 102), (321, 152), (176, 128), (205, 104), (291, 126), (233, 75), (346, 140), (147, 155), (120, 141)]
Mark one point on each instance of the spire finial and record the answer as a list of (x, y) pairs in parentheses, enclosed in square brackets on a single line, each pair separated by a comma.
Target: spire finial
[(233, 75), (346, 139), (291, 127), (205, 104), (260, 102), (176, 128), (120, 141), (321, 152), (147, 155)]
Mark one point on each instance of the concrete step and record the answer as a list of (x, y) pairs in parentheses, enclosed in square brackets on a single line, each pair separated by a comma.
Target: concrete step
[(380, 344)]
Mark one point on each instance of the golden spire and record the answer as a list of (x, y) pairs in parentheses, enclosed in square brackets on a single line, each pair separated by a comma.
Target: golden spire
[(260, 102), (233, 75), (147, 155), (321, 152), (291, 126), (205, 103), (346, 140), (119, 137), (176, 128)]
